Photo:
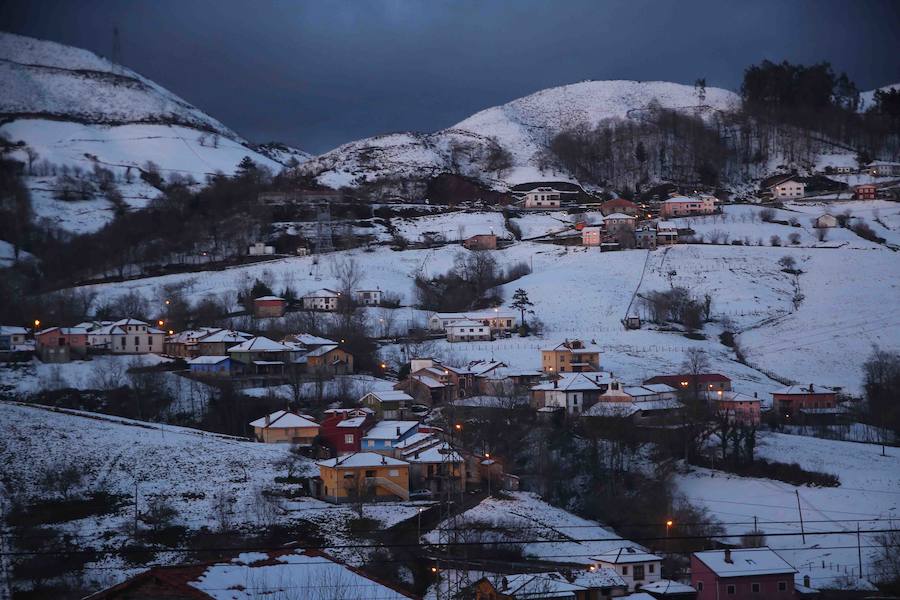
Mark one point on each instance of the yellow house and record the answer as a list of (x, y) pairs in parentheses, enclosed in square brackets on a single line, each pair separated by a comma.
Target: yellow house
[(285, 427), (571, 356), (363, 475)]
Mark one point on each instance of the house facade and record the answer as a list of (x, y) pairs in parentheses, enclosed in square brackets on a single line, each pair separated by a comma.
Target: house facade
[(786, 188), (283, 427), (542, 198), (826, 221), (496, 319), (210, 366), (866, 191), (363, 476), (635, 566), (645, 237), (342, 429), (570, 356), (883, 169), (388, 404), (572, 392), (618, 222), (384, 435), (323, 299), (466, 330), (367, 297), (788, 402), (260, 249), (331, 359), (619, 205), (266, 307), (742, 574), (12, 336), (61, 344), (683, 206), (591, 236), (481, 241)]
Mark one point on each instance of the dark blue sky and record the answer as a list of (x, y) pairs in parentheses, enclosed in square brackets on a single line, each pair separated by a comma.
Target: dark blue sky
[(317, 74)]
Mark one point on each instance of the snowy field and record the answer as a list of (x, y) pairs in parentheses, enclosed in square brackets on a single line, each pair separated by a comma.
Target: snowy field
[(869, 495), (186, 467), (35, 376)]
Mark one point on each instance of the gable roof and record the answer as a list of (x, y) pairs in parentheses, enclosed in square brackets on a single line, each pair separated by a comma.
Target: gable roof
[(619, 216), (575, 382), (566, 345), (225, 336), (361, 459), (282, 419), (388, 430), (745, 561), (270, 298), (208, 360), (675, 380), (322, 293), (625, 555), (12, 330), (800, 390), (259, 344), (389, 395)]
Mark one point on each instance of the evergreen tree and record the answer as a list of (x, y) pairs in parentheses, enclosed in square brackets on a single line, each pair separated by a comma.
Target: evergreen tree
[(522, 303)]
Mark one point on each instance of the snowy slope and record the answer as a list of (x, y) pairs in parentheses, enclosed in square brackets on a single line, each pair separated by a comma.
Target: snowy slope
[(523, 127), (867, 98), (77, 110), (869, 495)]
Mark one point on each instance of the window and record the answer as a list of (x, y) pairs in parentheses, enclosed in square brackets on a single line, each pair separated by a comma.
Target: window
[(394, 473), (387, 443), (730, 590), (754, 587), (638, 572), (370, 473), (699, 586), (651, 568), (348, 438), (370, 443), (782, 586), (625, 570)]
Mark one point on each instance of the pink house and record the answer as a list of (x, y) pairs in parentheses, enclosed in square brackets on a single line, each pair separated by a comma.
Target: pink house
[(740, 408), (742, 574), (683, 206), (61, 344)]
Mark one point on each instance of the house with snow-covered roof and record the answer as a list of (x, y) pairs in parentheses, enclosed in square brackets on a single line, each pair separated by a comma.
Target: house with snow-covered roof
[(210, 366), (217, 342), (542, 198), (384, 435), (388, 404), (572, 392), (742, 574), (266, 307), (261, 356), (466, 330), (363, 476), (322, 299), (342, 429), (784, 187), (634, 565), (434, 465), (618, 222), (793, 401), (12, 336), (685, 206), (367, 297), (497, 319), (61, 344), (570, 356), (285, 427), (738, 407)]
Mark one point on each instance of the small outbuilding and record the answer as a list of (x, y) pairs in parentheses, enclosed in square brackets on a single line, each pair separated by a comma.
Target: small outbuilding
[(826, 221)]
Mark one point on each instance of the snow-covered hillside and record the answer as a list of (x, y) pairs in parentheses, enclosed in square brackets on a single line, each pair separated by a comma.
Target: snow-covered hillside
[(77, 110), (523, 127), (867, 98)]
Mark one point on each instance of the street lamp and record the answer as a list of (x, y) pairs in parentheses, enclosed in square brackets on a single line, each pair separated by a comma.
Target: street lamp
[(37, 323)]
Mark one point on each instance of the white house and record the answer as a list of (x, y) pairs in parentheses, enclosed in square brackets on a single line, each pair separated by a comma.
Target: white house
[(127, 336), (466, 330), (635, 565), (572, 391), (367, 297), (826, 221), (260, 249), (883, 169), (323, 299), (497, 319), (542, 198), (788, 187)]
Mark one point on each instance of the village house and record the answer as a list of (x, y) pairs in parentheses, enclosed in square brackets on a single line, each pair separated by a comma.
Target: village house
[(384, 435), (266, 307), (12, 336), (342, 429), (492, 378), (286, 428), (785, 188), (330, 360), (431, 383), (322, 299), (466, 330), (635, 566), (705, 383), (260, 249), (592, 236), (481, 241), (792, 401), (738, 407), (666, 233), (653, 404), (184, 343), (617, 223), (570, 356), (883, 169), (433, 464), (645, 237), (128, 336), (261, 356), (363, 476), (210, 366), (666, 589), (683, 206), (572, 392), (217, 342), (275, 574), (742, 574), (388, 404), (866, 191), (826, 221), (61, 344), (367, 297), (542, 198), (619, 205), (497, 319)]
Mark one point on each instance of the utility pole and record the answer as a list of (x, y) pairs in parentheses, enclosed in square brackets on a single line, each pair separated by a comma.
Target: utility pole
[(800, 510), (859, 551)]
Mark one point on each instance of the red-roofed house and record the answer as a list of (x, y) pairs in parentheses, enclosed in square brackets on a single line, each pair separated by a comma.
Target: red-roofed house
[(619, 205), (789, 402)]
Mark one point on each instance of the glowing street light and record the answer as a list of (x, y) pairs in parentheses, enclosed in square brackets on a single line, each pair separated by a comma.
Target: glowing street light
[(37, 323)]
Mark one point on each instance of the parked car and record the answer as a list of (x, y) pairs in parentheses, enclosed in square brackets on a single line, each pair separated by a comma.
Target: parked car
[(420, 410), (421, 495)]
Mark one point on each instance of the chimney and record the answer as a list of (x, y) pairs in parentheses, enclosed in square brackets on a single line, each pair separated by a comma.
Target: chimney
[(383, 460), (504, 584), (268, 419), (810, 388), (754, 395), (556, 383), (728, 556), (398, 432)]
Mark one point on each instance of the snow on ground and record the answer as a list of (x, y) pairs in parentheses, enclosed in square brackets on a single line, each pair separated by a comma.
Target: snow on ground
[(453, 226), (8, 254), (537, 224), (869, 494), (186, 467), (881, 215), (352, 387), (563, 537), (22, 379)]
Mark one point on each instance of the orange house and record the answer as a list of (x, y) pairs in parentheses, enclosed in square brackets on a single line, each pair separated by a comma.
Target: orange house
[(791, 400), (363, 476), (571, 356), (285, 427), (866, 191), (269, 306), (61, 344)]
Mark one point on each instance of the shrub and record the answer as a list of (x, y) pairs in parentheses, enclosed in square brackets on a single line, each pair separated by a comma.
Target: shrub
[(775, 240), (767, 215)]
